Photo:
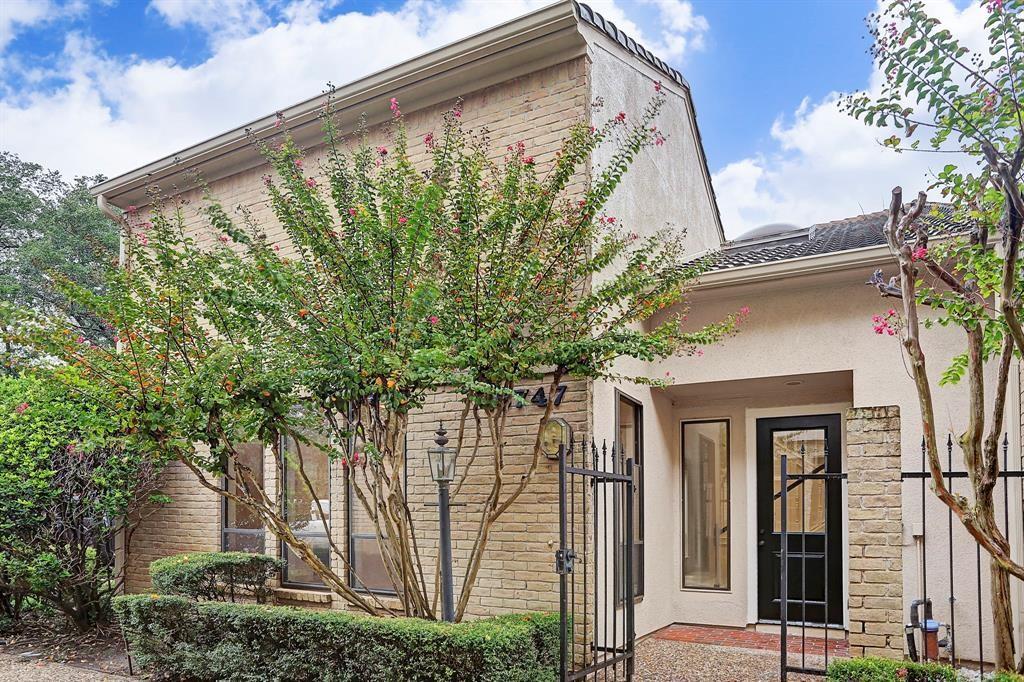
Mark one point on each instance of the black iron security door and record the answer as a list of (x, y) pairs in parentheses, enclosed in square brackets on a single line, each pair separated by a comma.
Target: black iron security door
[(812, 446)]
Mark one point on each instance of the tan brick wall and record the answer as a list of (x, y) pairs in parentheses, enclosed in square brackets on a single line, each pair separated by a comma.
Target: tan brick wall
[(517, 574), (189, 523), (875, 531)]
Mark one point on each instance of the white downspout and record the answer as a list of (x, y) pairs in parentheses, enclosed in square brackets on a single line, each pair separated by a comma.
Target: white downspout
[(120, 558)]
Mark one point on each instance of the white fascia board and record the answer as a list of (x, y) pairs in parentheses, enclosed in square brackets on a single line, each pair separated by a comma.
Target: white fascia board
[(797, 267)]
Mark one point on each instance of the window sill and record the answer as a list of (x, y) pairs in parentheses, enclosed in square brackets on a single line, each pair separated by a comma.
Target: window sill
[(292, 594)]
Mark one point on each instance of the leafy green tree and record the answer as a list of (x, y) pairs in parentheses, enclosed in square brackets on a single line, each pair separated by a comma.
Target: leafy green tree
[(69, 485), (51, 230), (465, 275), (969, 103)]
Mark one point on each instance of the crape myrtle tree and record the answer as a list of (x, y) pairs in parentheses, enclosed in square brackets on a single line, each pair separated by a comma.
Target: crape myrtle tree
[(969, 103), (462, 273)]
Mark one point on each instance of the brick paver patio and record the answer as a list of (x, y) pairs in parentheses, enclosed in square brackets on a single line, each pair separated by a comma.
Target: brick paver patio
[(749, 639)]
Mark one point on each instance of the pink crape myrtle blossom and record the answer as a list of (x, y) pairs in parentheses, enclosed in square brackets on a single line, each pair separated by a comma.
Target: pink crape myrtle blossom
[(887, 324), (920, 253), (21, 408)]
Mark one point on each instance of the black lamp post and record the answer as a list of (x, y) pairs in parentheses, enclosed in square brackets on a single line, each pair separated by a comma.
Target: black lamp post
[(442, 470)]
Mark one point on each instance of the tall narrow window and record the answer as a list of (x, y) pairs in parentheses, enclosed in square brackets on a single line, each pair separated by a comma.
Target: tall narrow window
[(303, 502), (367, 572), (631, 446), (706, 505), (242, 528)]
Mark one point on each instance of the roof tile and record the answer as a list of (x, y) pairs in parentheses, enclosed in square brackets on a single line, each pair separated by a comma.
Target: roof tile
[(832, 237)]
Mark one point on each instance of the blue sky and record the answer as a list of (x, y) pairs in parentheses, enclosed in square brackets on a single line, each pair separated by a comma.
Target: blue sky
[(142, 78)]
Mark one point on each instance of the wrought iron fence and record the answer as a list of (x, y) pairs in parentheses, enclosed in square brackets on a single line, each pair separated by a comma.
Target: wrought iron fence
[(928, 636), (594, 562), (826, 603)]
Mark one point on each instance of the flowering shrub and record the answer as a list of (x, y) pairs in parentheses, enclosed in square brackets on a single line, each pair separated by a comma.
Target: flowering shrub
[(395, 282), (181, 639)]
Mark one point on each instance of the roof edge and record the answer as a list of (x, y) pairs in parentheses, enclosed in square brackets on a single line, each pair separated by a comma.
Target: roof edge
[(544, 22), (836, 261)]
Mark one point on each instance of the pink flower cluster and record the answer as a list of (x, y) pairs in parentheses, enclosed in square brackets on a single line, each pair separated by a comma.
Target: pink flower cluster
[(620, 117), (395, 111), (428, 140), (21, 408), (993, 5), (887, 324), (920, 253)]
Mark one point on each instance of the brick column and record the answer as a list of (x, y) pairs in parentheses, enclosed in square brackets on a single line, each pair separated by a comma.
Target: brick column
[(875, 531)]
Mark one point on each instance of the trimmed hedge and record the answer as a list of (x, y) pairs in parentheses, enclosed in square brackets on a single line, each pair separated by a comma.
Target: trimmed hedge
[(180, 639), (216, 576), (886, 670)]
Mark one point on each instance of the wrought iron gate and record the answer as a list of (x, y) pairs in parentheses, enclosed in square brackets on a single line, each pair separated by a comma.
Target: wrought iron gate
[(796, 602), (594, 561)]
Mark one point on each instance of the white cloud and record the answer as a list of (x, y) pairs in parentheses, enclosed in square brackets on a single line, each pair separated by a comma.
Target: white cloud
[(113, 113), (16, 15), (221, 19), (671, 31), (826, 165)]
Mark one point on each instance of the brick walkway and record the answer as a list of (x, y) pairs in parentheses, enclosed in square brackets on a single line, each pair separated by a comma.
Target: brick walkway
[(748, 639)]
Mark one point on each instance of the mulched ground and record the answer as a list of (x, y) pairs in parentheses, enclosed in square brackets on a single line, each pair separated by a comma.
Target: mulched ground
[(44, 648)]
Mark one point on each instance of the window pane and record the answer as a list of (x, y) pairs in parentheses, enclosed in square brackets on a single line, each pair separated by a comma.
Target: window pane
[(630, 446), (368, 572), (243, 542), (706, 505), (297, 571), (368, 565), (805, 452), (302, 510), (246, 471)]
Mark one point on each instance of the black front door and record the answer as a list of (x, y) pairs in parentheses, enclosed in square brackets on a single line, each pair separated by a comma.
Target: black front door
[(812, 445)]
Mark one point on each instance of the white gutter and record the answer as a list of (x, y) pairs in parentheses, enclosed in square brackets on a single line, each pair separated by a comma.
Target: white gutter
[(797, 267)]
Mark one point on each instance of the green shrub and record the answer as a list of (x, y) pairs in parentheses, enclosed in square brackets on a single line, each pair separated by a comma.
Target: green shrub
[(186, 640), (216, 576), (70, 481), (1006, 676), (887, 670)]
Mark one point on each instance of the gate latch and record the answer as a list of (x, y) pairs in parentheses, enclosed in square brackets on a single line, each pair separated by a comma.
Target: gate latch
[(564, 559)]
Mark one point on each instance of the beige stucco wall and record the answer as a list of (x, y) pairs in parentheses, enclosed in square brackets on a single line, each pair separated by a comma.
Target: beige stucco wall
[(798, 326), (666, 187)]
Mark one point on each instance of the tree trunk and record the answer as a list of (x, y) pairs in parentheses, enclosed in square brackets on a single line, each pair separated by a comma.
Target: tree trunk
[(1002, 617)]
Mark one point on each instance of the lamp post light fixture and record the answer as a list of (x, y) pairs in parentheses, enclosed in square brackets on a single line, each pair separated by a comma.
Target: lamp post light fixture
[(442, 469)]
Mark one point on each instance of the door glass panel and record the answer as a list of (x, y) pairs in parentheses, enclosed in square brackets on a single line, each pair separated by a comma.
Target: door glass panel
[(805, 452)]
